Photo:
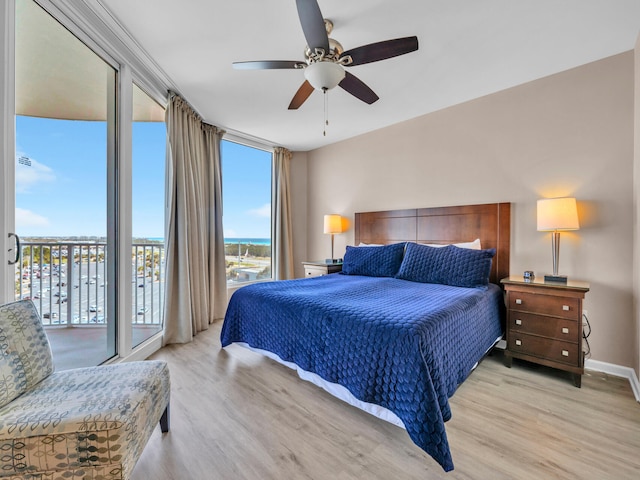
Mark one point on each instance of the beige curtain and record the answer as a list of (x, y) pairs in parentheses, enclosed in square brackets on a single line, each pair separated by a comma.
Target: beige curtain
[(195, 289), (281, 220), (217, 261)]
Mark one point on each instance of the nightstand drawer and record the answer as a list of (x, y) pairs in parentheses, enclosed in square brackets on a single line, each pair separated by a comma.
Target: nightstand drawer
[(547, 348), (318, 269), (558, 328), (314, 272), (563, 307)]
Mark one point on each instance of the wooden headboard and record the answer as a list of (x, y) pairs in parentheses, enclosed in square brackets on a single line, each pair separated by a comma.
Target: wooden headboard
[(491, 223)]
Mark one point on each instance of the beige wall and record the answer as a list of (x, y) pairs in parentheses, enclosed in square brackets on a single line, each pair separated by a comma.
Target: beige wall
[(299, 210), (568, 134)]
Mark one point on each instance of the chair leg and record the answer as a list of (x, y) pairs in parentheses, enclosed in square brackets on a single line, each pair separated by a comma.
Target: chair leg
[(164, 420)]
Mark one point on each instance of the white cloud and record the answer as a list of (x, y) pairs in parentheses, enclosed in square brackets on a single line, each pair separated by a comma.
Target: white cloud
[(28, 176), (27, 218), (263, 211)]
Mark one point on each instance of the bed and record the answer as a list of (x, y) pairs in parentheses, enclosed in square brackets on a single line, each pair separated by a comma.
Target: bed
[(402, 326)]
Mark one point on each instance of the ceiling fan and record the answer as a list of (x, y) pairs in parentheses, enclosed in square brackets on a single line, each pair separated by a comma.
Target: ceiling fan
[(325, 58)]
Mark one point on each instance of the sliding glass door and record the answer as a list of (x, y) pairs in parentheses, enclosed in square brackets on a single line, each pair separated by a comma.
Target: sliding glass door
[(81, 183), (65, 186)]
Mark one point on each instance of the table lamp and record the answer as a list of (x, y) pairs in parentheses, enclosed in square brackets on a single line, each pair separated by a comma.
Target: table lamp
[(557, 215), (332, 225)]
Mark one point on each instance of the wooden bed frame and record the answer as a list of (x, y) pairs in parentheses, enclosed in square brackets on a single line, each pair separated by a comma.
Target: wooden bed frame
[(491, 223)]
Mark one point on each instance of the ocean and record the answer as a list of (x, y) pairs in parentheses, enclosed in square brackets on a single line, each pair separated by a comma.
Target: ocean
[(252, 241), (232, 240)]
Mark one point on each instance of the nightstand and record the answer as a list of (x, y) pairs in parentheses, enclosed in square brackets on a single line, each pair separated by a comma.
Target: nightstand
[(317, 269), (544, 323)]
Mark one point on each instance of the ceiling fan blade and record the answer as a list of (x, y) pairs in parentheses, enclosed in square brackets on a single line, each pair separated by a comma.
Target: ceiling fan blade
[(358, 88), (301, 95), (313, 24), (375, 52), (268, 64)]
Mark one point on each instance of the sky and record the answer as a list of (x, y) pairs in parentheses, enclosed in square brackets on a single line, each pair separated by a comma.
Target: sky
[(63, 190), (246, 191)]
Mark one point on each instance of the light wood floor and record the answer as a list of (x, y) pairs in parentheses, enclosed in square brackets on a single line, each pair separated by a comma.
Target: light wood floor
[(237, 415)]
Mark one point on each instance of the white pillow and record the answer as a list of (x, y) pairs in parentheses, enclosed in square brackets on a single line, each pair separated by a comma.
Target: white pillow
[(370, 245), (475, 245)]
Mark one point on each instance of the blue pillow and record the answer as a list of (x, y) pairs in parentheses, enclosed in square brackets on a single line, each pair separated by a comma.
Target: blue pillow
[(373, 261), (450, 265)]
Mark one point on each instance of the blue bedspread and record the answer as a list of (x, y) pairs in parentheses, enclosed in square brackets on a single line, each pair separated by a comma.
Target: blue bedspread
[(403, 345)]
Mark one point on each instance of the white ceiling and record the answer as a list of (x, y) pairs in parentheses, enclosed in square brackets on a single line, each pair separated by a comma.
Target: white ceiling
[(468, 48)]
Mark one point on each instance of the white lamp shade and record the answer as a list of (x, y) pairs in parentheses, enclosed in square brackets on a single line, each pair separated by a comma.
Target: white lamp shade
[(332, 224), (557, 214), (324, 75)]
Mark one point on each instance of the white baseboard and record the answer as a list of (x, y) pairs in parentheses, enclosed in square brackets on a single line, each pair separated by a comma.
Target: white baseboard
[(616, 371)]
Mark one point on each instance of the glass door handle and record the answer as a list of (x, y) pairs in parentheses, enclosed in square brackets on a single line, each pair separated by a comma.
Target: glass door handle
[(18, 249)]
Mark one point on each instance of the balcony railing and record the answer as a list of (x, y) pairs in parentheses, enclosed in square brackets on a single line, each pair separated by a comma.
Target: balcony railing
[(67, 282)]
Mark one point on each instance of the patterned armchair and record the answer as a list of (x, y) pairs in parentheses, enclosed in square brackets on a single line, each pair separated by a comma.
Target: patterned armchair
[(88, 423)]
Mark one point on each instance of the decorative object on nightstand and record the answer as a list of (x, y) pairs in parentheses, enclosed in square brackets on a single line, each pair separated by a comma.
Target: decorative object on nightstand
[(332, 225), (544, 323), (557, 215), (318, 269)]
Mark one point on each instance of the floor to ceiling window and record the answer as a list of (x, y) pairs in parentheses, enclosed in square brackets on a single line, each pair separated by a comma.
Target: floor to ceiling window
[(79, 185), (246, 191), (65, 146), (147, 219)]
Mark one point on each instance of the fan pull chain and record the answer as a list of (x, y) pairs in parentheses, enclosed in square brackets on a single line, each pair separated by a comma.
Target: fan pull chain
[(326, 111)]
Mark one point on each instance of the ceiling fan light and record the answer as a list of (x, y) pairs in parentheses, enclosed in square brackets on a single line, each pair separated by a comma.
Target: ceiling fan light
[(324, 75)]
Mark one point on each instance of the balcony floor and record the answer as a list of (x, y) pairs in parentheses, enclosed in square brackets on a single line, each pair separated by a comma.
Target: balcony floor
[(86, 346)]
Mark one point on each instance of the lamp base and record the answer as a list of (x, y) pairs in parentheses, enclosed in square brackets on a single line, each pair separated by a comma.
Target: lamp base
[(331, 261), (555, 278)]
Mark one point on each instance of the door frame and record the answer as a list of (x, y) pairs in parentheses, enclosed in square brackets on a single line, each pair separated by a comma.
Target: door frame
[(7, 148)]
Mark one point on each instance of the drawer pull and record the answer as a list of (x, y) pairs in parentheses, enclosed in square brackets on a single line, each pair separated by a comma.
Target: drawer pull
[(518, 301), (565, 330), (565, 353), (565, 308), (518, 342), (518, 321)]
